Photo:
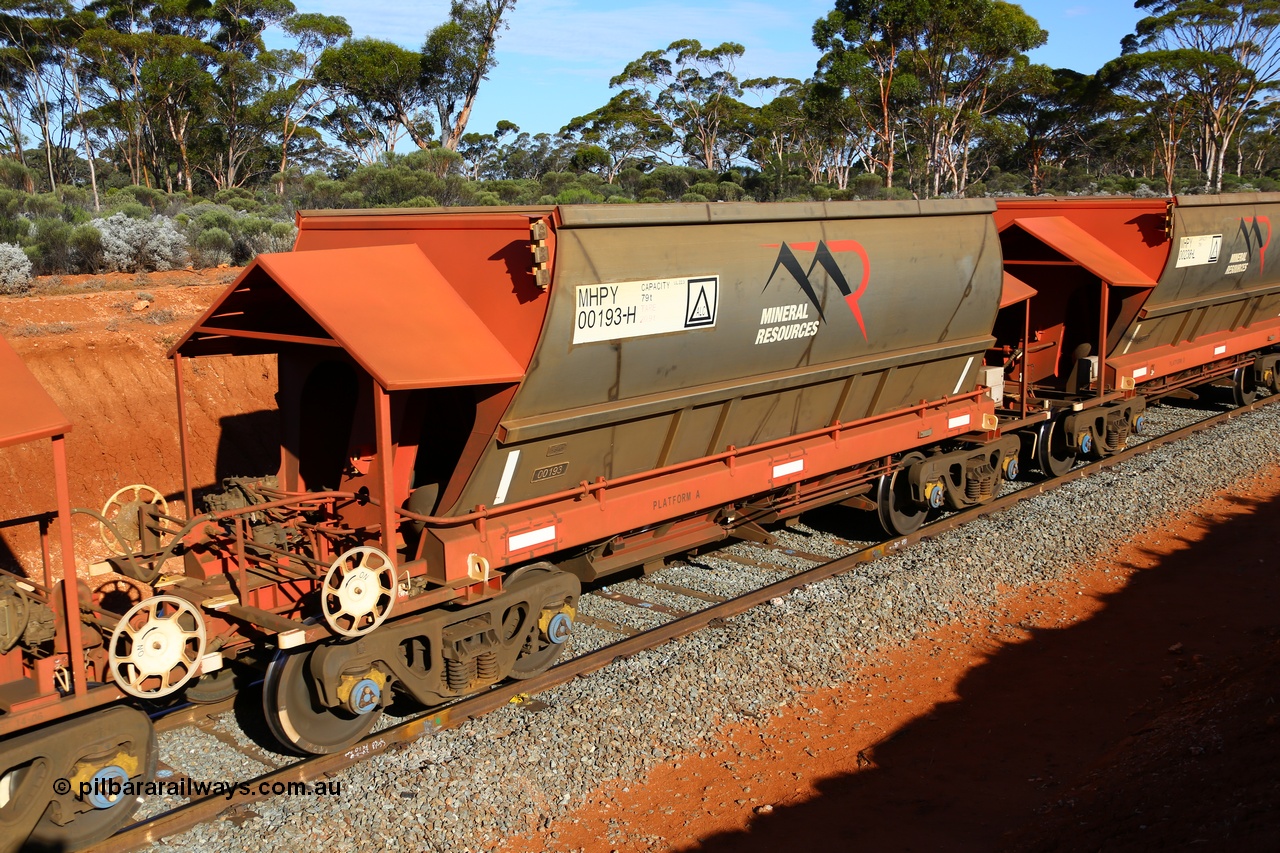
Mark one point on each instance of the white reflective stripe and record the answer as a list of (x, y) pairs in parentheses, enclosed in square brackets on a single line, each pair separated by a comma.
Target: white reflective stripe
[(962, 420), (1132, 337), (507, 473), (963, 374), (1139, 373), (793, 467), (1220, 350), (527, 540), (291, 639)]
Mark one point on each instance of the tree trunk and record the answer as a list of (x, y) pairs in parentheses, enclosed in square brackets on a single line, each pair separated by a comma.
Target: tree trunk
[(473, 85)]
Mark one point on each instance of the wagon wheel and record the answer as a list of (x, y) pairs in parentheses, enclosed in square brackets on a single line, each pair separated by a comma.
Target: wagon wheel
[(123, 510), (295, 714), (1244, 385), (156, 647), (545, 626), (68, 821), (1054, 456), (899, 514)]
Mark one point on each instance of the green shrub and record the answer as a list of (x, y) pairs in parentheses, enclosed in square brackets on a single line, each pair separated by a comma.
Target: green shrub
[(44, 205), (867, 185), (283, 236), (206, 216), (578, 195), (154, 200), (213, 246), (14, 175), (238, 198), (131, 209), (729, 191), (86, 249), (50, 250)]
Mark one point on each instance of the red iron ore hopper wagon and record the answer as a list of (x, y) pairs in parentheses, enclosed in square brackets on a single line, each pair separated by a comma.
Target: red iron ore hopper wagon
[(482, 407)]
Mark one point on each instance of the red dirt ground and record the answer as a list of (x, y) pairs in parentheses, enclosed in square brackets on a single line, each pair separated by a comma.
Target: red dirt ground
[(1133, 708), (99, 351)]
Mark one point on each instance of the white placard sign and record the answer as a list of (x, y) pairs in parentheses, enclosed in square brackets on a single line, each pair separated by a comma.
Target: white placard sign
[(630, 309), (1198, 251)]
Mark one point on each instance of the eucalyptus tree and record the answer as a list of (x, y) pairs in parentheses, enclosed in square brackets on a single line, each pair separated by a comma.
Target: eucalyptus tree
[(294, 95), (479, 150), (783, 138), (377, 96), (1258, 139), (626, 129), (120, 107), (1051, 114), (863, 42), (237, 117), (969, 58), (693, 92), (837, 137), (1218, 54), (1151, 86), (932, 73), (456, 57), (29, 30), (12, 83)]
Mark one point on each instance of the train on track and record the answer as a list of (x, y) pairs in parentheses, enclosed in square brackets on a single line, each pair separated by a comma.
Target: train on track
[(482, 409)]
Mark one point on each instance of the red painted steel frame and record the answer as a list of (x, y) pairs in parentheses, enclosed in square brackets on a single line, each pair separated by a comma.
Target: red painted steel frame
[(48, 704), (182, 435), (1175, 358), (597, 511), (386, 469)]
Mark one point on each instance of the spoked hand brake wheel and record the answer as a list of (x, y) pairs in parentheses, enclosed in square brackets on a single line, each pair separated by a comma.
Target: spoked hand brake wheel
[(123, 510)]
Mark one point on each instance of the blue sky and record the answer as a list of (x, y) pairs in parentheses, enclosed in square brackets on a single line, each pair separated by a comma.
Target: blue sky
[(556, 58)]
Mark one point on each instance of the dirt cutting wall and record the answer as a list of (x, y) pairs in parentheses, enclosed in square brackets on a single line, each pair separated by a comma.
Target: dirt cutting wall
[(101, 356)]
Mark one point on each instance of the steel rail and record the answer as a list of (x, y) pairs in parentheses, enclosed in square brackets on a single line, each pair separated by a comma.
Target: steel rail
[(310, 769)]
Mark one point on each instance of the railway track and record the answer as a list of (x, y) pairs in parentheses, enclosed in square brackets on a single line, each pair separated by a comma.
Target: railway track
[(629, 641)]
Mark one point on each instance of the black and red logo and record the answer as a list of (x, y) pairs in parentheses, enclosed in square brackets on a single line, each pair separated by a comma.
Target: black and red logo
[(824, 256), (1253, 237)]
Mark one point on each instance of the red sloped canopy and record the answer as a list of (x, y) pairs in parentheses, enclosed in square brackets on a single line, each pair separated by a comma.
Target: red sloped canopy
[(29, 413), (1069, 239), (387, 306), (1015, 290)]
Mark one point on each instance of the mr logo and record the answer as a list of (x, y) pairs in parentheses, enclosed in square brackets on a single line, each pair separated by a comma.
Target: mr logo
[(824, 256), (1252, 231)]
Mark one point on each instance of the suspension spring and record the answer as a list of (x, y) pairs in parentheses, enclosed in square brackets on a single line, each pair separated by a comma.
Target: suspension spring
[(459, 673)]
